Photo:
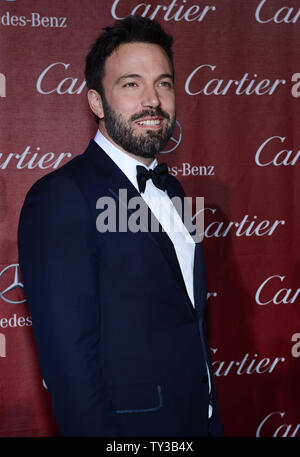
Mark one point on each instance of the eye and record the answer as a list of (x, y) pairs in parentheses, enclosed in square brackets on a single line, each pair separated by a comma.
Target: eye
[(130, 84), (167, 84)]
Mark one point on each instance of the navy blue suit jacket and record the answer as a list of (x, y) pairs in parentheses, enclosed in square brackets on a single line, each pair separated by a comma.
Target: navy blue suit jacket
[(122, 350)]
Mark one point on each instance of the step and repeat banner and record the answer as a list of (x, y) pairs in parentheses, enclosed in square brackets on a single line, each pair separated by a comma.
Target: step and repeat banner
[(236, 142)]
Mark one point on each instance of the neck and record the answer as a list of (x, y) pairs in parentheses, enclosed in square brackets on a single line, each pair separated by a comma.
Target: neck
[(144, 160)]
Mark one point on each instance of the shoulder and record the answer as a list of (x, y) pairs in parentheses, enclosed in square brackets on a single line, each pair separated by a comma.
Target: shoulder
[(66, 172), (55, 183), (54, 201)]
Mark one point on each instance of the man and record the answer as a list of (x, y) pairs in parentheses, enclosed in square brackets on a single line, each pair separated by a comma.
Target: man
[(118, 314)]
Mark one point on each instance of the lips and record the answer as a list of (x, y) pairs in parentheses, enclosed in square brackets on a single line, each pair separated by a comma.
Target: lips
[(150, 122)]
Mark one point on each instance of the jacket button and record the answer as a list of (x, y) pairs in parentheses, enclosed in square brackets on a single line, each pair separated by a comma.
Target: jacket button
[(205, 379)]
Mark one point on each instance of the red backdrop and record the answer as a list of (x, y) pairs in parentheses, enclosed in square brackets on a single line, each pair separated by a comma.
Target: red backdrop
[(236, 143)]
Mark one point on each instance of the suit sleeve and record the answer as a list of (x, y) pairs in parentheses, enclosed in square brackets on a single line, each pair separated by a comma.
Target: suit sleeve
[(61, 282)]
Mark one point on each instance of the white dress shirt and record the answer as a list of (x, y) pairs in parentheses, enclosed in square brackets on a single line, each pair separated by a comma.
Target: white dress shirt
[(163, 209)]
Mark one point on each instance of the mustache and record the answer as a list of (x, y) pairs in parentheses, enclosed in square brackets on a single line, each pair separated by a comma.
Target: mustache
[(151, 113)]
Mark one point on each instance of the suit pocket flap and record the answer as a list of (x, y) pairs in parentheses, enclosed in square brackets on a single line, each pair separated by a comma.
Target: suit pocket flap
[(138, 398)]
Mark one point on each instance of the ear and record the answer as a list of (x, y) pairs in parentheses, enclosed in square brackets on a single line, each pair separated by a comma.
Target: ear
[(95, 102)]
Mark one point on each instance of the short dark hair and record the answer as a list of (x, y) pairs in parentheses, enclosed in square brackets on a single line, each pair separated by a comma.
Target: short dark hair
[(132, 29)]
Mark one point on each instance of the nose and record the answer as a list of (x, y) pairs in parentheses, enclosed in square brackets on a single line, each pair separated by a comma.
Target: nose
[(150, 97)]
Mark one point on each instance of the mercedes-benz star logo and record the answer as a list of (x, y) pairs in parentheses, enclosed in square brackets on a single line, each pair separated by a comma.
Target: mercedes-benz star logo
[(175, 139), (15, 283)]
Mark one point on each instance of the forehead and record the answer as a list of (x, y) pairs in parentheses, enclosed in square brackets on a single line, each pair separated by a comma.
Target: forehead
[(137, 58)]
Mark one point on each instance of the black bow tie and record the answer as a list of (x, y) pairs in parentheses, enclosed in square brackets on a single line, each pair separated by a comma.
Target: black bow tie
[(159, 176)]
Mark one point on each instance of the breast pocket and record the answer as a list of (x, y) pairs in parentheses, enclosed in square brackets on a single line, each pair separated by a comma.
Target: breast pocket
[(138, 398)]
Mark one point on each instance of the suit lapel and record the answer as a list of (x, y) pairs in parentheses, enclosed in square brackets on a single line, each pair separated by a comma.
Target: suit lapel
[(117, 180)]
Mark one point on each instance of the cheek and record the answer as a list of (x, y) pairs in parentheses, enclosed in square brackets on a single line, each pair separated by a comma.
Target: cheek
[(125, 105), (168, 103)]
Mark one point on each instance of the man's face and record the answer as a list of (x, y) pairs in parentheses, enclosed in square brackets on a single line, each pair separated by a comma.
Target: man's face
[(139, 99)]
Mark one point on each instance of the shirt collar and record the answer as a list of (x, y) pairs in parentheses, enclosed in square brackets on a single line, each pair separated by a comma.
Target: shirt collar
[(126, 163)]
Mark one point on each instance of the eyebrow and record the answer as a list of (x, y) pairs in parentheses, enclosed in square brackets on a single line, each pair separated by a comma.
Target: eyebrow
[(134, 75)]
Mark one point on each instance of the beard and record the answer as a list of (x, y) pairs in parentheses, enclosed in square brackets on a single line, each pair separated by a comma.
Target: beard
[(144, 145)]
